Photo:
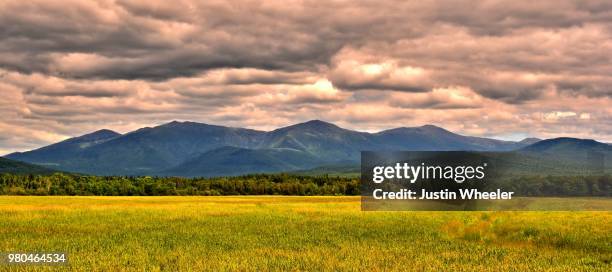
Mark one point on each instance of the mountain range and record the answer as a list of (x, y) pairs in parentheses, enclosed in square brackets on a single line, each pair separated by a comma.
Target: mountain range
[(196, 149)]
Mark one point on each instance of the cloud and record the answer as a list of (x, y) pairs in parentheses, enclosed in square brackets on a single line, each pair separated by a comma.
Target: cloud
[(320, 92), (556, 115), (441, 98), (56, 86), (485, 68), (371, 72)]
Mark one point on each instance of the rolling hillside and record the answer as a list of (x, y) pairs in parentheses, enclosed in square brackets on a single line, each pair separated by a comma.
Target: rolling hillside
[(16, 167)]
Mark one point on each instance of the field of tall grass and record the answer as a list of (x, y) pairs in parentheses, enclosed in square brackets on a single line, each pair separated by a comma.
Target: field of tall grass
[(295, 233)]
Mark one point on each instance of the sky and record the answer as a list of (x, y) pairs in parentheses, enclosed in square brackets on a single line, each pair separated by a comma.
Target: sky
[(501, 69)]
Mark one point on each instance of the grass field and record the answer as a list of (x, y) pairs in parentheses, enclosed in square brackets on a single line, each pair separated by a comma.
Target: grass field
[(296, 233)]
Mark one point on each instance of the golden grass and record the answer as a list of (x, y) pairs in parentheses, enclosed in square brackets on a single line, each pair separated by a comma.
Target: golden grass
[(296, 233)]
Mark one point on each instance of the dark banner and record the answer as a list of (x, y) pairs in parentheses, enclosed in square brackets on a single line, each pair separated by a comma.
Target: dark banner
[(461, 180)]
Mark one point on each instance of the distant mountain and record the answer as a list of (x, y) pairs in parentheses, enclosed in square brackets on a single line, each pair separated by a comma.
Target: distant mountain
[(324, 140), (144, 151), (65, 150), (567, 145), (584, 152), (196, 149), (433, 138), (16, 167)]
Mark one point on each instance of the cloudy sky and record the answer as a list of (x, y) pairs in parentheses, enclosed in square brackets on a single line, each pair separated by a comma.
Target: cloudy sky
[(503, 69)]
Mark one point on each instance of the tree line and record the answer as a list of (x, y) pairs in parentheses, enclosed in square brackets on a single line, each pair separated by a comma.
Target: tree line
[(268, 184), (259, 184), (555, 185)]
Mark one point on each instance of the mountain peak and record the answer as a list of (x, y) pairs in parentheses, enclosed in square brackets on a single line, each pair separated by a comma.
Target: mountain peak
[(530, 140), (432, 128), (424, 128), (99, 134), (176, 123), (313, 125), (317, 122)]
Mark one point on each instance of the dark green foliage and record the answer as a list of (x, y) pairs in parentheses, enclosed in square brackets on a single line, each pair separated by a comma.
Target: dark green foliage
[(279, 184), (269, 184)]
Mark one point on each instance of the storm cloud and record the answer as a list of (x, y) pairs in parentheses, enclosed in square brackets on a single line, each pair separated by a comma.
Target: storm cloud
[(485, 68)]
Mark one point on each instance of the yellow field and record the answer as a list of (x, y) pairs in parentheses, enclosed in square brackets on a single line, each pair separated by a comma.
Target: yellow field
[(296, 233)]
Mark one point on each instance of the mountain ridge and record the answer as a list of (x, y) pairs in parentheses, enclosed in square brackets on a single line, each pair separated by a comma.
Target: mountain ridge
[(582, 151), (172, 146), (66, 147)]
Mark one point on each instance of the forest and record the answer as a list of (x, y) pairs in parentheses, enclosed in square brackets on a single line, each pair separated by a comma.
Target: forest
[(259, 184), (268, 184)]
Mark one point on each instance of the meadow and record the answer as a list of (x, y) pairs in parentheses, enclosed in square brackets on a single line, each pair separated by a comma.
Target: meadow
[(191, 233)]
